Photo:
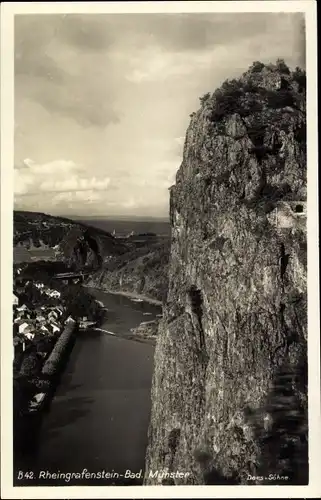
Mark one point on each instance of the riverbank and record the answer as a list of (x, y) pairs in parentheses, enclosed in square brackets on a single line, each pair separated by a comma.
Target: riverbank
[(27, 424), (129, 295), (146, 331), (104, 385), (105, 388)]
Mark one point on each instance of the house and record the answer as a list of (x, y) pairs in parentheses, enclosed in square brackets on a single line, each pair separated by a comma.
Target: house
[(25, 328), (29, 335), (41, 318), (54, 327), (37, 401), (22, 308), (53, 315), (23, 315), (59, 309), (52, 293), (15, 300)]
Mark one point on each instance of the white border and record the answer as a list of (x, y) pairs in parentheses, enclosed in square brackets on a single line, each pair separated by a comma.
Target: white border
[(8, 10)]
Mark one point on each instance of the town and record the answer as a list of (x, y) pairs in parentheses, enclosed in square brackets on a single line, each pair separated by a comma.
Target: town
[(47, 314)]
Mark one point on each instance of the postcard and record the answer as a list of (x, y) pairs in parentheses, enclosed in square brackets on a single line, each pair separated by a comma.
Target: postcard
[(159, 250)]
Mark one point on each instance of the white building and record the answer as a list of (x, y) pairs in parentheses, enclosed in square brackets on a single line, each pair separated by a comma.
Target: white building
[(25, 328)]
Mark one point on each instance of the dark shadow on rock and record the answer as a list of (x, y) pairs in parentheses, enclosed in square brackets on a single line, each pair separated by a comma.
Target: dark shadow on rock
[(213, 476), (284, 440)]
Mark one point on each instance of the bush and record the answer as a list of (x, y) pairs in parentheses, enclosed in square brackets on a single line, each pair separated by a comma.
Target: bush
[(79, 303), (227, 99), (50, 366), (44, 344), (23, 391), (257, 67), (31, 364), (299, 76), (245, 97), (205, 98), (282, 67), (41, 384), (280, 99)]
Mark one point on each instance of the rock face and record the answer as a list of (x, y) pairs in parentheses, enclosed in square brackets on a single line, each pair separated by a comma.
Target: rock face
[(229, 396), (141, 271)]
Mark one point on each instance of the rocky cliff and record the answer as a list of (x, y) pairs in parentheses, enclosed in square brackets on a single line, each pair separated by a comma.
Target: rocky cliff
[(229, 396), (141, 271), (84, 246)]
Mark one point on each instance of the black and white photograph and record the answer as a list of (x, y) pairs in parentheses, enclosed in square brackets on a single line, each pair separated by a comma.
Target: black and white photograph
[(162, 215)]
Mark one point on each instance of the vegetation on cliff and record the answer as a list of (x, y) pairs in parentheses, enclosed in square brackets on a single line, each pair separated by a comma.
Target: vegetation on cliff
[(136, 264), (75, 244), (230, 384), (142, 271)]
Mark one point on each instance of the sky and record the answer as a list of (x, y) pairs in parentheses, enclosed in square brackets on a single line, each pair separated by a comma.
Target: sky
[(102, 102)]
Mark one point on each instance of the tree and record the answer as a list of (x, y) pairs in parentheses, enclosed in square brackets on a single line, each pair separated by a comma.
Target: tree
[(31, 364), (23, 391), (282, 67), (43, 344), (257, 67), (205, 98), (299, 76), (79, 303)]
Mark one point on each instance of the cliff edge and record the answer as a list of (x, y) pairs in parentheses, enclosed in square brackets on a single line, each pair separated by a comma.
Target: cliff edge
[(229, 395)]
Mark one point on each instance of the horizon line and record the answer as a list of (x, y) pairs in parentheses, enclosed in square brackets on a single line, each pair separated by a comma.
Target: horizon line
[(96, 216)]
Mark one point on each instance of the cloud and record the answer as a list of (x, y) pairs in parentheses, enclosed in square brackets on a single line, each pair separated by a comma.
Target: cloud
[(60, 176), (113, 93), (173, 32), (86, 196), (64, 79), (255, 34), (75, 65)]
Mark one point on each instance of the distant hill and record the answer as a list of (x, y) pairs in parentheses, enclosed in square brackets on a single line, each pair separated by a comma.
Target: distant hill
[(136, 264), (143, 270), (78, 244), (121, 228), (140, 218)]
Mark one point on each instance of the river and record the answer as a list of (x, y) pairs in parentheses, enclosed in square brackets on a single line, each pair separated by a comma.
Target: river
[(124, 313), (98, 419)]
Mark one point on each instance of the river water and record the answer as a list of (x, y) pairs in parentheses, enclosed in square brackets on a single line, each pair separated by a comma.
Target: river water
[(98, 419), (124, 313)]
